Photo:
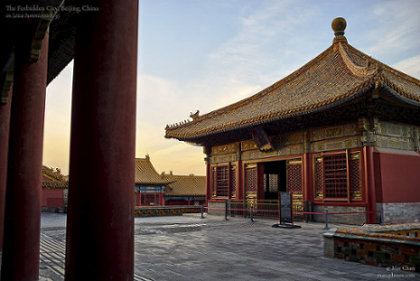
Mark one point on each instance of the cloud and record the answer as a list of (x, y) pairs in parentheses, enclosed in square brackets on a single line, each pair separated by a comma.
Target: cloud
[(397, 27), (168, 154), (236, 69), (409, 66), (161, 102), (264, 50)]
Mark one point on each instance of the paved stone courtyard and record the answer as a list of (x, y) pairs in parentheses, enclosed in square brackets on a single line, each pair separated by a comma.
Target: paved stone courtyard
[(191, 248)]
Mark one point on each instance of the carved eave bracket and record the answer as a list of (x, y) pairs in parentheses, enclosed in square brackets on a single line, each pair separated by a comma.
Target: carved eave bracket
[(6, 79), (207, 150), (368, 128), (42, 28), (261, 139), (28, 43), (416, 138)]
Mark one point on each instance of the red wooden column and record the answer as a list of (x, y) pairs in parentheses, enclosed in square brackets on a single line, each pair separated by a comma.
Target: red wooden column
[(369, 162), (138, 196), (161, 199), (239, 180), (307, 183), (260, 183), (4, 144), (208, 182), (22, 214), (100, 220)]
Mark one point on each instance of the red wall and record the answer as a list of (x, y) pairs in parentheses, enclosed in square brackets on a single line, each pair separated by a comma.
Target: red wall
[(52, 198), (399, 177)]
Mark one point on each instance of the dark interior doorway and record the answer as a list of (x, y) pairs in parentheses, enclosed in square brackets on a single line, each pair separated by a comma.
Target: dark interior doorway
[(274, 179)]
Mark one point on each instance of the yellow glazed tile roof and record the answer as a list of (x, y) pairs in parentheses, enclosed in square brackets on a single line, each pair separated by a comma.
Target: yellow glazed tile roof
[(186, 185), (145, 173), (339, 74), (53, 178)]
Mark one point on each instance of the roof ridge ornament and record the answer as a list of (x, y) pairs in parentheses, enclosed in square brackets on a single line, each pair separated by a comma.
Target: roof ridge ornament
[(195, 115), (361, 71), (339, 25)]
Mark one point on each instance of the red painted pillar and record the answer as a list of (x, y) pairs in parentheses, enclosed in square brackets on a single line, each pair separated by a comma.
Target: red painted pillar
[(138, 198), (162, 199), (307, 183), (100, 220), (260, 183), (22, 214), (4, 144), (208, 183), (370, 183), (239, 180)]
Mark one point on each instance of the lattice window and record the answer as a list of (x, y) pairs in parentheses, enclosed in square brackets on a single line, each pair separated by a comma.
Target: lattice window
[(294, 176), (355, 177), (251, 180), (273, 183), (233, 181), (150, 199), (319, 178), (335, 173), (222, 188)]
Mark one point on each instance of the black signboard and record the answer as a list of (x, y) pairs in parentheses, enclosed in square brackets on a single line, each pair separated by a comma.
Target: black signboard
[(286, 207)]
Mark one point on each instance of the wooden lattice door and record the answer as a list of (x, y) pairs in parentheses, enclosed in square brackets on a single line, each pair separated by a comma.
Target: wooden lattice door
[(295, 185)]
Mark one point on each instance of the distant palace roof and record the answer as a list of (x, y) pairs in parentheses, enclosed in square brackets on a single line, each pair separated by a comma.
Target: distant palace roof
[(53, 178), (338, 75), (146, 173), (185, 185)]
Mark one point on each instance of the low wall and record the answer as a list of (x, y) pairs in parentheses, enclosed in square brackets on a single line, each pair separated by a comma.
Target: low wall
[(358, 219), (52, 198), (165, 211), (394, 246), (400, 212)]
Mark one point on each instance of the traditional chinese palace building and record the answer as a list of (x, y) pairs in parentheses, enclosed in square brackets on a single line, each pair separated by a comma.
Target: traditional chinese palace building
[(341, 132), (185, 189), (150, 186), (154, 189), (54, 190)]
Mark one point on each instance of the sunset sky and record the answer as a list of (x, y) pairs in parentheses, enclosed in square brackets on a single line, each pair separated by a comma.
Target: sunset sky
[(205, 54)]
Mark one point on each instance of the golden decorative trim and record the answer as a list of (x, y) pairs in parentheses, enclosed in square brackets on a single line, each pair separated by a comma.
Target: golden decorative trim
[(250, 166), (294, 162)]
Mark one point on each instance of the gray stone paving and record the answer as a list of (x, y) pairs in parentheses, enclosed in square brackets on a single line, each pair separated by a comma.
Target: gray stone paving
[(190, 248)]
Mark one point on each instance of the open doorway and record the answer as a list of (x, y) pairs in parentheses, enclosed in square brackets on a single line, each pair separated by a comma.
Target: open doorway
[(275, 180)]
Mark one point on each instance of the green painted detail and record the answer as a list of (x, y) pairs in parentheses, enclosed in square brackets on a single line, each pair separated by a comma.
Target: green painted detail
[(367, 238), (412, 228)]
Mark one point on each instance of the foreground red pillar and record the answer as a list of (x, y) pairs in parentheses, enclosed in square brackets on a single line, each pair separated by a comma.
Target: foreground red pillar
[(100, 220), (370, 176), (22, 215), (4, 144)]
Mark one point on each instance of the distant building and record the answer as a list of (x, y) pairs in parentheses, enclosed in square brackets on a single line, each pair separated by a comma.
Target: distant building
[(152, 189), (54, 190), (185, 190), (342, 132), (149, 185)]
